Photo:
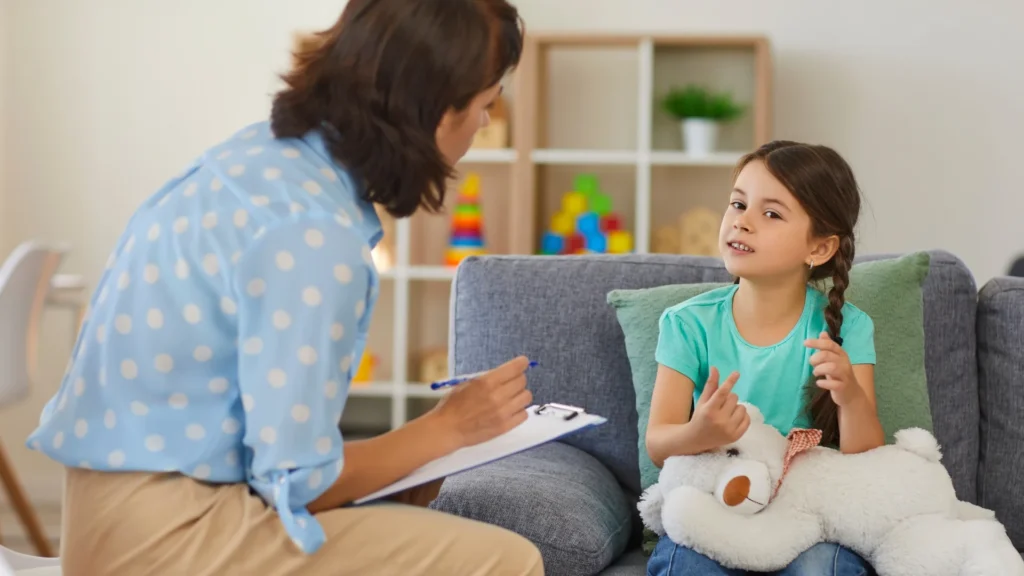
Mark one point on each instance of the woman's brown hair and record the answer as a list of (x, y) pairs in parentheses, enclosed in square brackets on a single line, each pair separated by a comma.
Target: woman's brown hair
[(824, 185), (379, 81)]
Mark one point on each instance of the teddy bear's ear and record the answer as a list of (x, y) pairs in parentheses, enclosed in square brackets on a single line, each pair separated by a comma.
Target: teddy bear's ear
[(755, 414)]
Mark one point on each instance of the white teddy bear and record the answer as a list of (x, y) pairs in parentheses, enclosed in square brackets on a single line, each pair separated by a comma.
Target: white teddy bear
[(758, 503)]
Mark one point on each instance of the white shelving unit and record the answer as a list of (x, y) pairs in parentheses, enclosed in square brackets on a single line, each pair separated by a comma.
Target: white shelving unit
[(589, 104)]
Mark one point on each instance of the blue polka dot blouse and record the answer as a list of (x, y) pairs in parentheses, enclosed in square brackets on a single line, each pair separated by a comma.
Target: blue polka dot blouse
[(224, 332)]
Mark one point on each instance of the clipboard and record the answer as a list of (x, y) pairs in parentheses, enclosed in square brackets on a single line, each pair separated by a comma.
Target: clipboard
[(544, 423)]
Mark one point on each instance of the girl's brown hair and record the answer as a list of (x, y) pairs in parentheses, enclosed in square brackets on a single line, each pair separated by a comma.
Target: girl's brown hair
[(379, 81), (824, 185)]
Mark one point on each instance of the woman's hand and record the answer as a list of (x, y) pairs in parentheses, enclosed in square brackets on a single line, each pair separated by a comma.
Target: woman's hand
[(471, 413), (718, 417), (834, 371), (485, 407)]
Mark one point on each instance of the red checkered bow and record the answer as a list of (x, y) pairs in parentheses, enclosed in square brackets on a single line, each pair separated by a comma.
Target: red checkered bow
[(800, 440)]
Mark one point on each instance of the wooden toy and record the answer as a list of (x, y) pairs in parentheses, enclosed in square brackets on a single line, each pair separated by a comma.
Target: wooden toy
[(666, 240), (585, 223), (466, 237), (433, 365), (495, 134), (696, 234), (699, 232)]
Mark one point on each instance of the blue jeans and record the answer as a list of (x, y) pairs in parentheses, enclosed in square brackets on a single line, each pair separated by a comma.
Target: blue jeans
[(825, 559)]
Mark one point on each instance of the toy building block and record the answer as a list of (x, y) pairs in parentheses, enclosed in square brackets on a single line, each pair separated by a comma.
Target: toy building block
[(574, 203), (601, 204), (620, 242), (364, 372), (586, 223), (610, 223), (586, 184), (466, 238)]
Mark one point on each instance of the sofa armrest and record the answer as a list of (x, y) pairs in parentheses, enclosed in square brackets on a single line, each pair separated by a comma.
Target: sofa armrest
[(557, 496), (1000, 333)]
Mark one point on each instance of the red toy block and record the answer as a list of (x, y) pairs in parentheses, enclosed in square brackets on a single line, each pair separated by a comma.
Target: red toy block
[(574, 243), (467, 230), (610, 223)]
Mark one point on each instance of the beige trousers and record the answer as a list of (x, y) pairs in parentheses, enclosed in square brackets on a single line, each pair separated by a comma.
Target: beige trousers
[(138, 524)]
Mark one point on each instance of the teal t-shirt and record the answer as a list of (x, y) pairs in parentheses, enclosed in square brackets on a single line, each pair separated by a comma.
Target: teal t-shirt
[(700, 333)]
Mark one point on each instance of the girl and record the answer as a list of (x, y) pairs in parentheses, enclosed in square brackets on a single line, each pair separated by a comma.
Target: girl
[(198, 420), (806, 359)]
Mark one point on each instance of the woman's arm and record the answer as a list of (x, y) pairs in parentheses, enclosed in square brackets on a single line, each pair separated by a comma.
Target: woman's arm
[(859, 427)]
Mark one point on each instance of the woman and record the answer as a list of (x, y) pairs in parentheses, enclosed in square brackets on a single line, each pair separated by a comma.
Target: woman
[(198, 418)]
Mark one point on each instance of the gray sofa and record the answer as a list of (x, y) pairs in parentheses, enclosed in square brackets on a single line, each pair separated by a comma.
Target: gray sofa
[(576, 499)]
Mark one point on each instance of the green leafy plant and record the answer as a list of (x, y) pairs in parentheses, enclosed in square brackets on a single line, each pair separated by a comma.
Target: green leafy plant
[(698, 102)]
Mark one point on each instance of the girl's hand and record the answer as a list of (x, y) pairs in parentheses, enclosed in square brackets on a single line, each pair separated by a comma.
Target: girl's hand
[(834, 371), (719, 418)]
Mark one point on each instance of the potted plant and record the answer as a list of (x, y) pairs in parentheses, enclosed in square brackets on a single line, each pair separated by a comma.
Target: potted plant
[(701, 112)]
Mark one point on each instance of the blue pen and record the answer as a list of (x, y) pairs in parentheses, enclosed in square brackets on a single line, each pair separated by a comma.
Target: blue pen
[(464, 378)]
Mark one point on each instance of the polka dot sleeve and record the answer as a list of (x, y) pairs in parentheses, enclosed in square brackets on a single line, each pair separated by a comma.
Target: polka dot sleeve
[(302, 289)]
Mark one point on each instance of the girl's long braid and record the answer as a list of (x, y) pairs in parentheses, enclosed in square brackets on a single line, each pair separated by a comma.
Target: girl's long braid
[(823, 409)]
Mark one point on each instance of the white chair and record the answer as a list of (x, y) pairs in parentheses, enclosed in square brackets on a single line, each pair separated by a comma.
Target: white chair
[(24, 284), (14, 564)]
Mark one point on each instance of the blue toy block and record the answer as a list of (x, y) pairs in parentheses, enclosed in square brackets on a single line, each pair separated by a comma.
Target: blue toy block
[(552, 244), (588, 223), (466, 242), (597, 243)]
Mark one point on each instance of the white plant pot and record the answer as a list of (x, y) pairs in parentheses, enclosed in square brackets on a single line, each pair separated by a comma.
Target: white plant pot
[(700, 136)]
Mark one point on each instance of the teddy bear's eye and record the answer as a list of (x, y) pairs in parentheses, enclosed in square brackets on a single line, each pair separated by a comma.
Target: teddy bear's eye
[(732, 452)]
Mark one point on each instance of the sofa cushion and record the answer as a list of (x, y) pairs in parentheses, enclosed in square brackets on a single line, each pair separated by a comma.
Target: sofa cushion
[(1001, 394), (554, 309), (889, 291), (558, 497)]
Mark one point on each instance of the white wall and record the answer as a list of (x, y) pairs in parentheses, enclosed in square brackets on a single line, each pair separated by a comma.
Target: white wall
[(105, 99)]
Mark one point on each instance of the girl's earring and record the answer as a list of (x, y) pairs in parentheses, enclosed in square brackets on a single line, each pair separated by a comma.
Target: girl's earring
[(811, 265)]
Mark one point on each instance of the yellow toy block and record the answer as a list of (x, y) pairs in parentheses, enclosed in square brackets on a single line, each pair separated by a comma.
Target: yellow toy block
[(471, 186), (563, 224), (364, 373), (620, 242), (574, 204)]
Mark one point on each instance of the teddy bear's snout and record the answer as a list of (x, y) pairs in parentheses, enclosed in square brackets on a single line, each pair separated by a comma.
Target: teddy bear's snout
[(744, 487), (736, 491)]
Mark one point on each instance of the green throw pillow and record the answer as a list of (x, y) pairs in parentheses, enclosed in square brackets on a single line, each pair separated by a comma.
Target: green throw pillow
[(889, 291)]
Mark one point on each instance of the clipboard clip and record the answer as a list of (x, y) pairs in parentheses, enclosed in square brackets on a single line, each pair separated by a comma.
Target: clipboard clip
[(565, 411)]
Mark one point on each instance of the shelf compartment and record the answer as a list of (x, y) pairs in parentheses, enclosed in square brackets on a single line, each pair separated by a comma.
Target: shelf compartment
[(701, 192), (427, 329), (430, 234), (365, 417), (731, 68), (381, 335), (606, 77), (616, 183)]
